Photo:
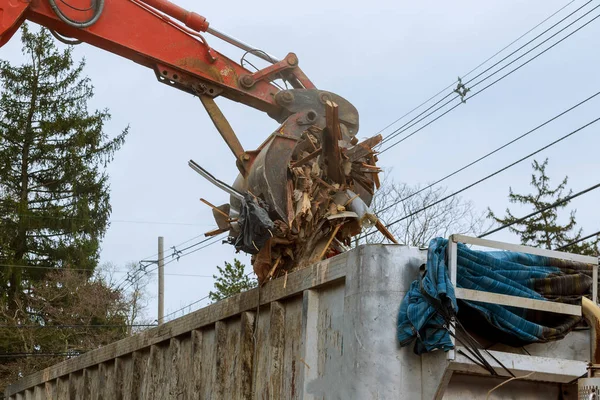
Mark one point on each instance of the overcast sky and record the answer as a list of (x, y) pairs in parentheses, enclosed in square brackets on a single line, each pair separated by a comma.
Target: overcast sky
[(385, 57)]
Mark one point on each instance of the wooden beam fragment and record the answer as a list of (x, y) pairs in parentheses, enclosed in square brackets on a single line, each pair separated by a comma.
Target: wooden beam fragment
[(215, 208), (331, 147), (335, 231), (385, 232), (309, 157), (363, 149), (215, 232)]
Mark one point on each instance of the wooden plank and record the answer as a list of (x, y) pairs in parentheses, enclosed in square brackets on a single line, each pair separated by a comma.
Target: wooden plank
[(195, 384), (261, 362), (29, 394), (153, 380), (515, 301), (92, 378), (232, 356), (245, 366), (133, 387), (38, 393), (309, 157), (109, 391), (50, 390), (293, 337), (331, 149), (164, 370), (184, 365), (175, 376), (207, 371), (62, 388), (221, 360), (546, 369), (102, 381), (321, 273), (76, 386), (276, 348), (363, 148), (308, 358), (524, 249), (119, 369)]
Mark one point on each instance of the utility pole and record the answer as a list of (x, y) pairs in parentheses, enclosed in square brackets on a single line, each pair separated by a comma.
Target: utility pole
[(161, 281)]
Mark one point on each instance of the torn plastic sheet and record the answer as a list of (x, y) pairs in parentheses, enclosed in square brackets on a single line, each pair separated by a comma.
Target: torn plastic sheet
[(256, 227)]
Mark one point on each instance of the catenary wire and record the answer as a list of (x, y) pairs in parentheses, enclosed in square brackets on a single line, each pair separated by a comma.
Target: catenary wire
[(402, 128), (87, 270), (553, 205), (578, 241), (488, 176), (491, 152), (474, 69), (405, 128), (75, 326), (137, 278)]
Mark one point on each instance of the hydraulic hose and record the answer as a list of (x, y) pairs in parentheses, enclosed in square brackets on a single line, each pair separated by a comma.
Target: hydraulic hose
[(98, 6)]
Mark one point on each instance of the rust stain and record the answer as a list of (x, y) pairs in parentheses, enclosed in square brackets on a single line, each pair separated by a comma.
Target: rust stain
[(197, 65), (293, 379)]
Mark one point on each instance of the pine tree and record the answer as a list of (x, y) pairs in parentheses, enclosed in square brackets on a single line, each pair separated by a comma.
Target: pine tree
[(54, 198), (544, 230), (231, 280)]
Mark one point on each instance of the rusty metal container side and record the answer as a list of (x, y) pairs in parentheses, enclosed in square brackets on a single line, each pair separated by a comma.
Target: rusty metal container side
[(325, 332)]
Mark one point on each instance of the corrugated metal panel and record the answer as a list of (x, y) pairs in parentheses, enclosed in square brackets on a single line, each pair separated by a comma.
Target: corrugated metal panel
[(325, 332)]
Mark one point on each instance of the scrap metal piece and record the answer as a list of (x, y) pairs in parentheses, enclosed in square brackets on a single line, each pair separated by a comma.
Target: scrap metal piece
[(220, 184), (269, 176)]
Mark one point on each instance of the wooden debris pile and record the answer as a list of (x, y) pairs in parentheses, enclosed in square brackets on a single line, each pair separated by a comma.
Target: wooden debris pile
[(331, 182)]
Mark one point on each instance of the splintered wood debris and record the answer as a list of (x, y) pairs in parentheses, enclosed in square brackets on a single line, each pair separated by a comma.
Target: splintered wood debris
[(331, 182)]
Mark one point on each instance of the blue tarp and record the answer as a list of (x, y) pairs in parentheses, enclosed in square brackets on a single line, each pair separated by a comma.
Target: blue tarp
[(510, 273)]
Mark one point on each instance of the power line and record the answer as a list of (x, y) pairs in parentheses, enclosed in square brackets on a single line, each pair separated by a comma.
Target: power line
[(198, 301), (488, 176), (19, 355), (87, 270), (537, 37), (180, 255), (474, 69), (491, 152), (402, 129), (577, 241), (75, 326), (137, 277), (556, 204), (142, 268), (189, 305), (175, 246), (145, 222)]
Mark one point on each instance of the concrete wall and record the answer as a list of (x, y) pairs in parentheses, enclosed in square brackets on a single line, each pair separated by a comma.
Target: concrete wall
[(325, 332)]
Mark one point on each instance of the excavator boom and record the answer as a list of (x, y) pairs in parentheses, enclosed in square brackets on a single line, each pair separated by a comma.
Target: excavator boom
[(152, 33), (305, 191)]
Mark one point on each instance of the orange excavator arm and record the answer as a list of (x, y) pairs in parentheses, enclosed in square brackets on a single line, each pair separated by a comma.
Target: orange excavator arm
[(168, 39), (312, 165), (164, 37)]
